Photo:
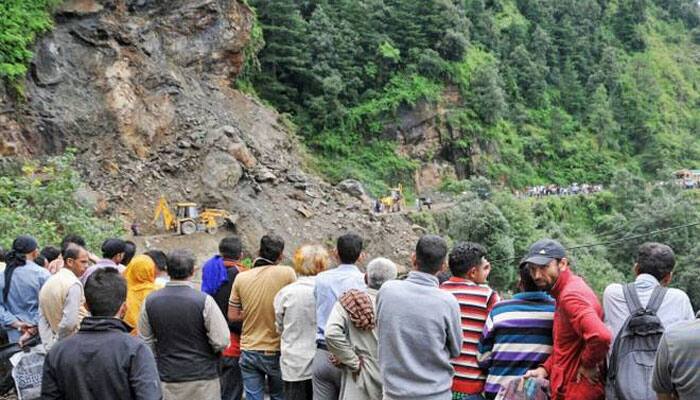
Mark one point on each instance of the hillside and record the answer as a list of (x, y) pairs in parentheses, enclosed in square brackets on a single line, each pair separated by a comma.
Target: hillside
[(142, 90), (520, 91)]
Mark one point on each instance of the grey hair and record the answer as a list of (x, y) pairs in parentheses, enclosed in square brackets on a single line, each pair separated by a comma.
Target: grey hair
[(379, 271)]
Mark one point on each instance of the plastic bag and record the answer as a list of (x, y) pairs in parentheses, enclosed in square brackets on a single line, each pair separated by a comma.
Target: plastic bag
[(525, 389), (27, 372)]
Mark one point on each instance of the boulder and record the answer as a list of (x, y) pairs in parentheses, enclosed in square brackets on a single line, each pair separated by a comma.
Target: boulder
[(220, 170), (264, 175), (352, 187), (8, 148), (88, 197), (46, 66), (241, 153)]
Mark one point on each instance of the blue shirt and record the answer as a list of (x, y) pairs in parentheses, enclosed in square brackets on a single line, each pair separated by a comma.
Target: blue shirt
[(330, 285), (23, 298)]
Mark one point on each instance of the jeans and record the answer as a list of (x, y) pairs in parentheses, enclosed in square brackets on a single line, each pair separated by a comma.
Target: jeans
[(231, 379), (255, 367)]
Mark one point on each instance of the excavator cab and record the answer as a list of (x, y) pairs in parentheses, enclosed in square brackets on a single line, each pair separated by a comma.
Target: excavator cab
[(187, 211)]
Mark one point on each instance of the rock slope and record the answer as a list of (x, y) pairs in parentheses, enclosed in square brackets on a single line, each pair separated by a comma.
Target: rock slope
[(143, 89)]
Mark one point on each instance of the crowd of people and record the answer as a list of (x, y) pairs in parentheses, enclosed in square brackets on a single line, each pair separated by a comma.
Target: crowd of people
[(121, 326), (557, 190)]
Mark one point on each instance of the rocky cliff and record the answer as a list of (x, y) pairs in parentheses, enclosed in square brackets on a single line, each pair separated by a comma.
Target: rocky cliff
[(143, 89)]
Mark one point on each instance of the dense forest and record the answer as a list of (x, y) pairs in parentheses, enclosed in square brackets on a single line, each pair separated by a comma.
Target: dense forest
[(551, 91)]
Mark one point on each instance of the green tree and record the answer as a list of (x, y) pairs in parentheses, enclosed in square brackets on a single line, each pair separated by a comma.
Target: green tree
[(601, 120), (480, 221), (572, 94), (487, 97), (482, 28), (630, 14), (284, 61), (529, 76), (20, 22)]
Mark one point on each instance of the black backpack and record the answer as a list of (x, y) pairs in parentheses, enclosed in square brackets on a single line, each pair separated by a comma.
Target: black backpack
[(631, 363)]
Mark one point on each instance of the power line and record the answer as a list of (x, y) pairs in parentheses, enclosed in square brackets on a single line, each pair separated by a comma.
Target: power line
[(625, 239)]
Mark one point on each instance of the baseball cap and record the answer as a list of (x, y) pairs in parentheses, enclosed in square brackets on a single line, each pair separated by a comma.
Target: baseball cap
[(543, 252)]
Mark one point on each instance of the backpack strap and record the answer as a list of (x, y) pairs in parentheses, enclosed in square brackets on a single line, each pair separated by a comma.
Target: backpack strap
[(631, 298), (657, 297)]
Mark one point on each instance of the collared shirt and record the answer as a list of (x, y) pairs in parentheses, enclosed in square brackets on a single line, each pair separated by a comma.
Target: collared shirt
[(330, 285), (674, 308), (23, 298), (419, 330), (214, 322), (295, 319), (475, 303)]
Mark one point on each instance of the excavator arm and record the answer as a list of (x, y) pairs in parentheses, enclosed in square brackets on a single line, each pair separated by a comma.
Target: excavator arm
[(164, 214)]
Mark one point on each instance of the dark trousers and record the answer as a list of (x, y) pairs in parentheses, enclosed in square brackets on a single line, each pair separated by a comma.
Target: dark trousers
[(231, 379), (327, 377), (300, 390)]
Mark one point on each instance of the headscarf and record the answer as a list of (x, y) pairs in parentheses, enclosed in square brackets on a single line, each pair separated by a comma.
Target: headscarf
[(16, 258), (214, 275), (360, 309), (140, 277)]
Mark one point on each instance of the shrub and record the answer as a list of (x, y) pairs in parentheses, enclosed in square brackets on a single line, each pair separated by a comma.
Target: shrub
[(39, 200)]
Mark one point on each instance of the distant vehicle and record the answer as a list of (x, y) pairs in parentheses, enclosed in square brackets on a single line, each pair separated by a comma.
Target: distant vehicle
[(187, 218), (425, 201), (394, 201)]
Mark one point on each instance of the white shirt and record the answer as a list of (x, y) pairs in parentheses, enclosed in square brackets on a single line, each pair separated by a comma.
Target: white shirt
[(295, 319)]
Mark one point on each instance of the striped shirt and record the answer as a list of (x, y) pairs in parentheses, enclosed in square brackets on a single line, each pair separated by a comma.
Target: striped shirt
[(517, 337), (475, 302)]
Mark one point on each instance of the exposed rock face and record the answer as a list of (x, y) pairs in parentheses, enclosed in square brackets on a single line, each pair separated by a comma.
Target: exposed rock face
[(143, 90), (423, 133)]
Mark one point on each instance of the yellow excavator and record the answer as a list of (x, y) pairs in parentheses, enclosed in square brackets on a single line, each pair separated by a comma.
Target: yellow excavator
[(187, 218), (395, 201)]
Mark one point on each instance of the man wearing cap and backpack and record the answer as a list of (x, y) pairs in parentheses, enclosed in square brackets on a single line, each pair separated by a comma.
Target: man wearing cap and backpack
[(637, 314), (581, 339)]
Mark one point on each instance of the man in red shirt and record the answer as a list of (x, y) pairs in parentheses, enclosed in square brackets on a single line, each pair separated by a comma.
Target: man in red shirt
[(581, 340)]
